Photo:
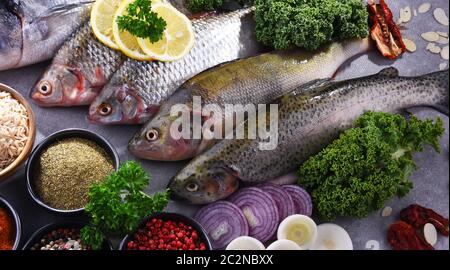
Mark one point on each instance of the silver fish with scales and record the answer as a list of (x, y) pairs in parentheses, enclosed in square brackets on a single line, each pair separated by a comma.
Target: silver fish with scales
[(79, 71), (32, 31), (136, 91)]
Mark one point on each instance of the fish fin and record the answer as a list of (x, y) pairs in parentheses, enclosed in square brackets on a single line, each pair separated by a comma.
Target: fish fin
[(442, 108), (319, 83), (411, 111), (390, 72), (62, 9)]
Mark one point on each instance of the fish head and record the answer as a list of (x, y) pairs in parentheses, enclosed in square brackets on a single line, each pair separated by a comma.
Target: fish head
[(120, 103), (157, 140), (62, 85), (200, 183), (11, 39)]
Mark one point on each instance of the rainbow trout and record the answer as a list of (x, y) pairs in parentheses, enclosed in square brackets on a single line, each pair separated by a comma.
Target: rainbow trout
[(309, 119), (256, 80)]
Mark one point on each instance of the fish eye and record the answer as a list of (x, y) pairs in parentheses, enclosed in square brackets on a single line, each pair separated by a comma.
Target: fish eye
[(192, 187), (105, 109), (152, 135), (45, 88)]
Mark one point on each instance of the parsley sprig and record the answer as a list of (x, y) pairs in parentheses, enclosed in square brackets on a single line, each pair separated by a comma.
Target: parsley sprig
[(117, 205), (142, 22)]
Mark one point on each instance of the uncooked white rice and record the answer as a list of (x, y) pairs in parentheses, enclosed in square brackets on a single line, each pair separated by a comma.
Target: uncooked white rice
[(13, 129)]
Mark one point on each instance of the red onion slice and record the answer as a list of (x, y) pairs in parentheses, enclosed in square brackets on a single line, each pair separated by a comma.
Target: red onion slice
[(301, 198), (223, 221), (260, 210), (283, 200)]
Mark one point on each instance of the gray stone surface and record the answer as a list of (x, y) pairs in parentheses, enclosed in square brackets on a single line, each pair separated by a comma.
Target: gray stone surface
[(431, 181)]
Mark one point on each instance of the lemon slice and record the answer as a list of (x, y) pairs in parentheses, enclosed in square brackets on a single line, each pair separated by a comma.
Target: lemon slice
[(127, 43), (178, 37), (102, 16)]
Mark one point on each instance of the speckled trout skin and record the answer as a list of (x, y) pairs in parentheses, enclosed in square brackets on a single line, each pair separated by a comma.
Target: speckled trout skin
[(78, 72), (138, 88), (309, 119), (256, 80), (32, 31)]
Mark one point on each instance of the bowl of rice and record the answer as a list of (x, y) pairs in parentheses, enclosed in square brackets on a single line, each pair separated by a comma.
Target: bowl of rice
[(17, 130)]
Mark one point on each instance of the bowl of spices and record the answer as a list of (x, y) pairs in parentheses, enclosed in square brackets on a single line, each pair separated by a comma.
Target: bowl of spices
[(17, 130), (60, 236), (10, 227), (167, 231), (65, 165)]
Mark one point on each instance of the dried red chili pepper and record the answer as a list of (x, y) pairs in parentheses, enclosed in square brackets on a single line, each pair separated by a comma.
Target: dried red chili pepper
[(384, 30), (418, 216), (402, 236)]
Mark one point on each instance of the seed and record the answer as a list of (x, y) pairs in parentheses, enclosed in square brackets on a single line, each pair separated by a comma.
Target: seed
[(430, 36), (442, 66), (387, 211), (444, 53), (433, 48), (442, 40), (405, 14), (415, 13), (430, 234), (442, 34), (440, 16), (424, 8), (410, 45)]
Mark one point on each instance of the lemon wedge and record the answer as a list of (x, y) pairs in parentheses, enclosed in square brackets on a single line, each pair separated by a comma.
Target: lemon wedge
[(178, 38), (102, 16), (127, 43)]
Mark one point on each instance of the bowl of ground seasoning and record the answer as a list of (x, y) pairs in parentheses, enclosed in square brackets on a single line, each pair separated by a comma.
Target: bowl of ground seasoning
[(65, 165), (10, 228), (17, 130)]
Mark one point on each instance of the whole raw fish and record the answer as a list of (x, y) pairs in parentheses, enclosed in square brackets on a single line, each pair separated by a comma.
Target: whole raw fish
[(78, 72), (256, 80), (308, 121), (137, 89), (32, 31)]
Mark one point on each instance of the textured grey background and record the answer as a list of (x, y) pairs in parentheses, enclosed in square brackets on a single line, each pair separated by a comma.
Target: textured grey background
[(431, 186)]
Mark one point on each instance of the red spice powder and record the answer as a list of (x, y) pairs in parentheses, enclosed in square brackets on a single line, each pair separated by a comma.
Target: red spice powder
[(7, 230)]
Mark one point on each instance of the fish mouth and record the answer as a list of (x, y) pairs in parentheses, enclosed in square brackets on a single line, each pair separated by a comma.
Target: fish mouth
[(175, 197)]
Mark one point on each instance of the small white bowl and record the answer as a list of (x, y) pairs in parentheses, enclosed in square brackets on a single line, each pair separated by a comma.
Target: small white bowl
[(293, 228), (245, 243)]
